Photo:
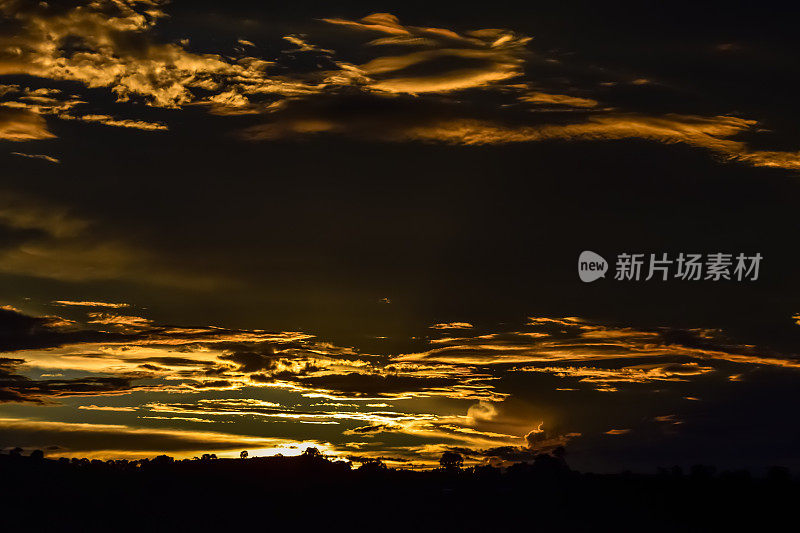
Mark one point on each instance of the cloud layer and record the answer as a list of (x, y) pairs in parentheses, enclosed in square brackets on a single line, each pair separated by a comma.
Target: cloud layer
[(481, 83), (458, 394)]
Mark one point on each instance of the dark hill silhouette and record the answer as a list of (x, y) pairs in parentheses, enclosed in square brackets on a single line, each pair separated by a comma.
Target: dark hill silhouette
[(311, 492)]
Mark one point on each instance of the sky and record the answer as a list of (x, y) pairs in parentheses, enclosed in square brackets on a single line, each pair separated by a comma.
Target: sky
[(356, 226)]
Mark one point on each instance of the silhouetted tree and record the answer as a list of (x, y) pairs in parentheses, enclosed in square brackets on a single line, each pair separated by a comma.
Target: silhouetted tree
[(243, 455), (16, 452), (486, 472), (545, 464), (312, 452), (451, 460), (372, 466), (162, 460), (37, 455)]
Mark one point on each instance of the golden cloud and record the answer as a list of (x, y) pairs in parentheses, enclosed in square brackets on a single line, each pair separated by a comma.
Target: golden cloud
[(444, 61), (116, 440), (21, 125), (558, 99)]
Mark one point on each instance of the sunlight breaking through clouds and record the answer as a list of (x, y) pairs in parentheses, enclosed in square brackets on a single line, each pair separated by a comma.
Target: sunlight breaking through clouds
[(451, 394), (392, 193)]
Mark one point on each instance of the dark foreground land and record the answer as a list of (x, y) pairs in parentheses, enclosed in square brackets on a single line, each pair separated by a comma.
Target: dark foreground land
[(312, 493)]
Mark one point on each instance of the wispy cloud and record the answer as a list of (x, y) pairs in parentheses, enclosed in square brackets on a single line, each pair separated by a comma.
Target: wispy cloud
[(439, 60), (118, 320), (72, 303), (536, 97), (43, 157), (452, 325)]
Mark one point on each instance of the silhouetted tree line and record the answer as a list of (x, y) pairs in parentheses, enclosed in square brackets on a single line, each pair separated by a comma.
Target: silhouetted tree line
[(311, 491)]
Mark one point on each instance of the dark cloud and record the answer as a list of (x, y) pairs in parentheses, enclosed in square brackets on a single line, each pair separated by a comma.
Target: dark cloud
[(22, 332), (172, 361), (211, 384), (536, 442), (375, 384), (18, 388), (367, 430), (252, 361)]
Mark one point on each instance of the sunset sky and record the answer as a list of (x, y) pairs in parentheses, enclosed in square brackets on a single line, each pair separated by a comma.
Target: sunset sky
[(232, 226)]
